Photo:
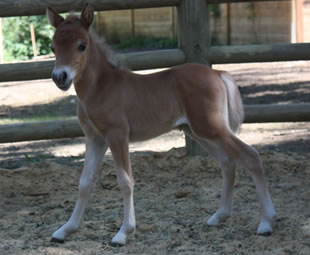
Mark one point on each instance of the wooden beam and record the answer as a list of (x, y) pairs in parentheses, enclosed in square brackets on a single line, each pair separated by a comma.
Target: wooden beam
[(172, 57), (135, 61), (70, 128), (132, 22), (240, 1), (258, 53), (264, 113), (9, 8), (299, 4), (228, 24), (26, 71), (1, 43), (40, 130), (194, 40), (194, 36), (33, 41)]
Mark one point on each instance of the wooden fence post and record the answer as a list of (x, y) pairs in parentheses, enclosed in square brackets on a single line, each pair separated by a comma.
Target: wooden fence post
[(1, 43), (194, 30), (132, 23), (194, 40), (299, 21), (33, 40)]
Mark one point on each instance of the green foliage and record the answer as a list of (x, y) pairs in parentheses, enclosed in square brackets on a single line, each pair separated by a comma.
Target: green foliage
[(215, 10), (144, 42), (17, 37)]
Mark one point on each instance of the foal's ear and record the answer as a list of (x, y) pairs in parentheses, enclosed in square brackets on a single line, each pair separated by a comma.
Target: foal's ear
[(53, 17), (87, 15)]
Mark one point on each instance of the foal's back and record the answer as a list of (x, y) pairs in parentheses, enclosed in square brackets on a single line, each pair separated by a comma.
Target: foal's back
[(156, 103)]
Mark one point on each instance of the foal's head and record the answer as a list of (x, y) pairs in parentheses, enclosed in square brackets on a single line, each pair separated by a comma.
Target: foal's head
[(70, 45)]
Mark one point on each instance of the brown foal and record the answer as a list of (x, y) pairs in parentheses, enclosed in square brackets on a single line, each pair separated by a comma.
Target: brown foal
[(116, 106)]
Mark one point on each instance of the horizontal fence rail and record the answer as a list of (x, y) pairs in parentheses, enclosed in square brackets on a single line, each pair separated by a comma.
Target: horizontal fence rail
[(42, 130), (277, 113), (259, 53), (71, 128), (240, 1), (134, 60), (9, 8), (171, 57)]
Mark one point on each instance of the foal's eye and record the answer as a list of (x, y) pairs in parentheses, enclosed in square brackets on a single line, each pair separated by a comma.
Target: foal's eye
[(82, 47)]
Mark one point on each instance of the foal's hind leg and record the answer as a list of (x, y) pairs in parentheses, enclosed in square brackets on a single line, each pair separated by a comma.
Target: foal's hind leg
[(250, 159), (228, 172), (228, 166), (227, 142)]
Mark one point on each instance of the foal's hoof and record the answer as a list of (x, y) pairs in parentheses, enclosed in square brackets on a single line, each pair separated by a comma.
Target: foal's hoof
[(116, 244), (217, 218), (55, 240), (264, 229), (268, 233)]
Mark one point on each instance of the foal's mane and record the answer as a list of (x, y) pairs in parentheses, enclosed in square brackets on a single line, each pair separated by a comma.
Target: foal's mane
[(106, 50)]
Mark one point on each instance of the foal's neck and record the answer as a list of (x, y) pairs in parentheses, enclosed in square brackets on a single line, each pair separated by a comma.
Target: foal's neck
[(97, 66)]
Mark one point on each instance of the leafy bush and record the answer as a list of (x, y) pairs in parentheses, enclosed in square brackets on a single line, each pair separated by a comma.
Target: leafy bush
[(17, 37), (18, 46), (145, 42)]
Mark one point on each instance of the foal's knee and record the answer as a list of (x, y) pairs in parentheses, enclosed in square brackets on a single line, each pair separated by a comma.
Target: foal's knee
[(85, 186), (254, 159)]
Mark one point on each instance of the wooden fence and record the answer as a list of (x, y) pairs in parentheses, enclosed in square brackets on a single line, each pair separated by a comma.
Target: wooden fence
[(194, 38), (120, 25)]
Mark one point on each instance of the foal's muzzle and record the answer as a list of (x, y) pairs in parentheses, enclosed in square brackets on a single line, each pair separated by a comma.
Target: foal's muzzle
[(63, 78)]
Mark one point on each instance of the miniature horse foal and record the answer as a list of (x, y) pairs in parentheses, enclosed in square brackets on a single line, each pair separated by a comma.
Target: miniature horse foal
[(116, 106)]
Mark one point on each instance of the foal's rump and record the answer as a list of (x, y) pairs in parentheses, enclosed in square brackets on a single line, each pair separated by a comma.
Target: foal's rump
[(211, 101)]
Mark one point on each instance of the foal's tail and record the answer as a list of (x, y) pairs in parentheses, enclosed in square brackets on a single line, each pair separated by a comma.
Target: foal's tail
[(235, 106)]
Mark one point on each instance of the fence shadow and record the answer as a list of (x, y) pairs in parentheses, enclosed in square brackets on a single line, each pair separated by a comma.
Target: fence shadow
[(64, 107), (16, 155), (298, 92)]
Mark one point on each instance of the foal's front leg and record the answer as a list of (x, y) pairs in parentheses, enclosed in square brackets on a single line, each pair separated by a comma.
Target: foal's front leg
[(95, 150), (118, 143)]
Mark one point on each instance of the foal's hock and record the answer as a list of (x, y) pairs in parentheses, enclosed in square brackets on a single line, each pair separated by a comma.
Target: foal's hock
[(116, 106)]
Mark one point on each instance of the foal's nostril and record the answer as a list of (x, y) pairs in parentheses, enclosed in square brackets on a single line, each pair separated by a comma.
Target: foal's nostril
[(60, 78), (63, 77)]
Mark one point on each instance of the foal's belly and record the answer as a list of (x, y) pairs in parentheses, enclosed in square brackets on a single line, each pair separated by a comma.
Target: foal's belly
[(148, 131), (138, 134)]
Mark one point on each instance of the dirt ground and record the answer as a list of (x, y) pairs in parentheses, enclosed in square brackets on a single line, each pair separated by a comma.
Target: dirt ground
[(174, 193)]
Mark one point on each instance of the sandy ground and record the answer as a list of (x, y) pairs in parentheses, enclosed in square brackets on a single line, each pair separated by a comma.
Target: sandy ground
[(174, 193)]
